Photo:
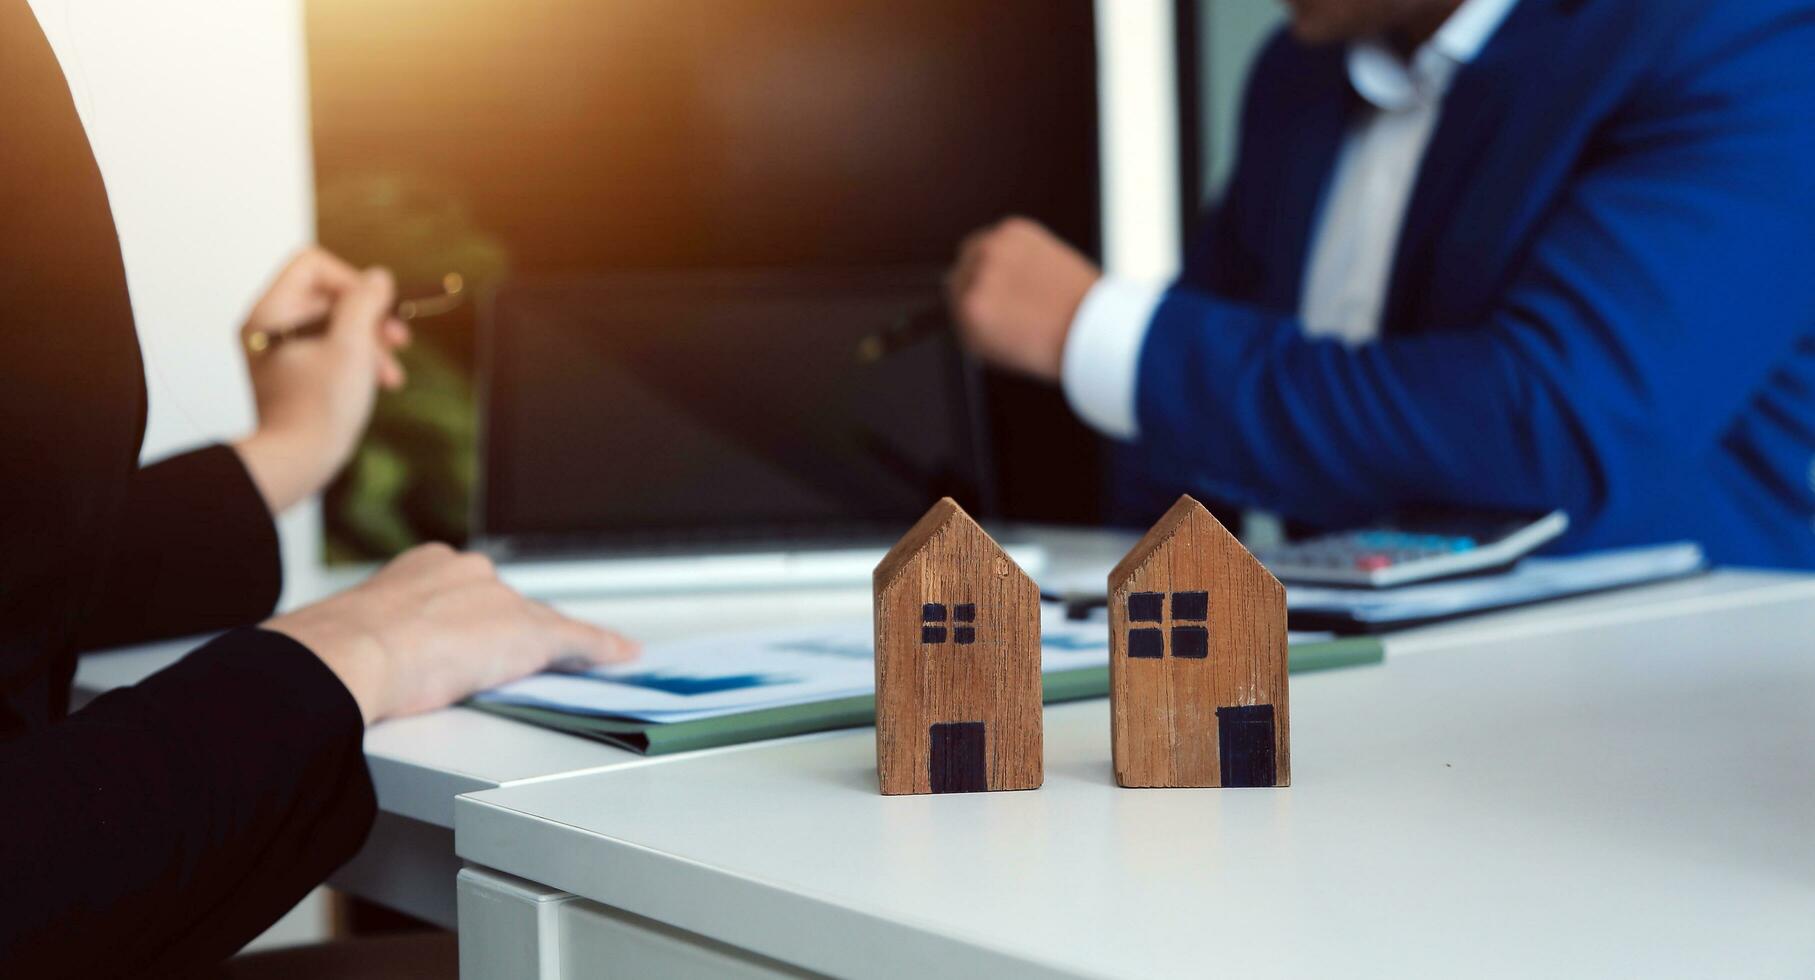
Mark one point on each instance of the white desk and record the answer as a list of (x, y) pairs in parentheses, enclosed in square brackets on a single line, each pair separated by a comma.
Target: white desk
[(419, 765), (1629, 796)]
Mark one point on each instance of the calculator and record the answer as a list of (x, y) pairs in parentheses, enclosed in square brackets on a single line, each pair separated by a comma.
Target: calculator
[(1418, 548)]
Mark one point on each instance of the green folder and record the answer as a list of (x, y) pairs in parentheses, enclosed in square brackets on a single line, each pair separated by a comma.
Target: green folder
[(662, 738)]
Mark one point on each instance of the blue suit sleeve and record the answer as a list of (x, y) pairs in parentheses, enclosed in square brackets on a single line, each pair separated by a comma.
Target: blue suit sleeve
[(1672, 275)]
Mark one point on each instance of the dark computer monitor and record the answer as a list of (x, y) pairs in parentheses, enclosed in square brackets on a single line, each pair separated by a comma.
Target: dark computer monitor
[(589, 138), (648, 410)]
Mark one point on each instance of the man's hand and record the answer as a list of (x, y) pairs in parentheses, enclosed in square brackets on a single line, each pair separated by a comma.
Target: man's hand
[(315, 394), (434, 626), (1014, 292)]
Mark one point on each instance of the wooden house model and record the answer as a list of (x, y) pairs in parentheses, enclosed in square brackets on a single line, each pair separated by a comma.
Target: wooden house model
[(1197, 659), (957, 662)]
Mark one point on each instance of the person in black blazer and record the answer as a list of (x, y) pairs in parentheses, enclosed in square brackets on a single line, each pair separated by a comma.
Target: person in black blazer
[(162, 826)]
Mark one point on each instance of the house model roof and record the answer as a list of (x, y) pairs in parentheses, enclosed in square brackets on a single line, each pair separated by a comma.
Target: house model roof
[(1185, 514), (943, 517)]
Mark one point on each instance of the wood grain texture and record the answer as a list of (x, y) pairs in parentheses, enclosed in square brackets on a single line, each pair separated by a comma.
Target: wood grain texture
[(949, 561), (1163, 709)]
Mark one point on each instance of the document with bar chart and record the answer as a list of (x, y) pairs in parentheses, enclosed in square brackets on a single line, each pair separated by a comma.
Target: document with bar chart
[(725, 673)]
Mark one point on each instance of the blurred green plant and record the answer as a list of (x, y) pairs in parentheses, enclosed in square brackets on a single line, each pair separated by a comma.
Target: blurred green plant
[(412, 478)]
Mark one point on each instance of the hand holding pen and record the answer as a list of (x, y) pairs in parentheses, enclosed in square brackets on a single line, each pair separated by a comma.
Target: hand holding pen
[(319, 346), (453, 292)]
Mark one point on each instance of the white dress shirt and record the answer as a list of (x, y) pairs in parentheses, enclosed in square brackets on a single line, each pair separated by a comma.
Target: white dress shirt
[(1350, 263)]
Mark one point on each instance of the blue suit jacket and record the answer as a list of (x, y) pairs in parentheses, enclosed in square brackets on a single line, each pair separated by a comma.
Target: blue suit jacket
[(1603, 299)]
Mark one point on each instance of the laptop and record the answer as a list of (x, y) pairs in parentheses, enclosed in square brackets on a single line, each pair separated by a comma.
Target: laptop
[(656, 431)]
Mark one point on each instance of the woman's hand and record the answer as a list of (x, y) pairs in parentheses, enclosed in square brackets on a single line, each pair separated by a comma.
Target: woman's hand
[(315, 395), (434, 626)]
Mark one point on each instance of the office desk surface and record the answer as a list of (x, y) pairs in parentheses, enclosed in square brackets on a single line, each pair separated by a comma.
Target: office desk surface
[(1629, 799), (420, 764)]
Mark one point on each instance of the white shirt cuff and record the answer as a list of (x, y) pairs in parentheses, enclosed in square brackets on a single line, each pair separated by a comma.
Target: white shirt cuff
[(1102, 356)]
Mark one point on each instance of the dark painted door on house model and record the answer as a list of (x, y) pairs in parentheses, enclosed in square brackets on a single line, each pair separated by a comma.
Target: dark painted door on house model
[(958, 763), (1245, 735)]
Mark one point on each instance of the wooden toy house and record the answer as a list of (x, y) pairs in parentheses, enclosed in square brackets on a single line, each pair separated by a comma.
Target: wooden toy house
[(957, 662), (1197, 659)]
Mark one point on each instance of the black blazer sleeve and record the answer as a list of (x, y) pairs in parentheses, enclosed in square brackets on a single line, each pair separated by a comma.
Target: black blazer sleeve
[(165, 825), (158, 829), (195, 552)]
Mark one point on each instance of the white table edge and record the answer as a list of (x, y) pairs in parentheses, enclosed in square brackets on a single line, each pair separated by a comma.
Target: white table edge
[(476, 816)]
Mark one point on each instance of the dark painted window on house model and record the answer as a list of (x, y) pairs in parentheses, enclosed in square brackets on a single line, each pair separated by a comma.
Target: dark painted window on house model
[(963, 617), (1190, 641), (1190, 634)]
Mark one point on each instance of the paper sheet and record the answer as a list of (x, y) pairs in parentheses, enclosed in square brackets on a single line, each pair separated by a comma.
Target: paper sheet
[(723, 673)]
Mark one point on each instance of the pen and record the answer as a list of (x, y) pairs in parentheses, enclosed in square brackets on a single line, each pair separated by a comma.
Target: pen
[(929, 321), (453, 288)]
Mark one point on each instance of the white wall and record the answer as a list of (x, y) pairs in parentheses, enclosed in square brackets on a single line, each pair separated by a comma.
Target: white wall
[(197, 110), (1137, 104)]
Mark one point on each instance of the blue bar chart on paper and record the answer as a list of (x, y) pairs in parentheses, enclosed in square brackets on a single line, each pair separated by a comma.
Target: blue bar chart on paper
[(725, 673)]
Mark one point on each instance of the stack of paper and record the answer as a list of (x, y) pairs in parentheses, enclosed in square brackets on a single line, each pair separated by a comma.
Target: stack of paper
[(726, 688), (723, 673)]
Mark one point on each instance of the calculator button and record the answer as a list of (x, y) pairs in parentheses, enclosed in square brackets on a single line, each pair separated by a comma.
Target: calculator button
[(1370, 563)]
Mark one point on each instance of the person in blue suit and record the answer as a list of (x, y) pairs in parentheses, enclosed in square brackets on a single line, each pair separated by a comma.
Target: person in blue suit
[(1508, 254)]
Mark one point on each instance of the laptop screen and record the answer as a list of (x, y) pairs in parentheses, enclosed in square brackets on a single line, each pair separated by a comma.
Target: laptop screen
[(651, 409), (517, 143)]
